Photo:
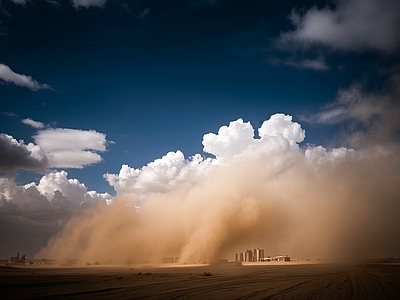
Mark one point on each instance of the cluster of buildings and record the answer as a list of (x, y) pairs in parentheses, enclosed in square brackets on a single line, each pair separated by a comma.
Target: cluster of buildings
[(17, 260), (257, 255), (250, 255)]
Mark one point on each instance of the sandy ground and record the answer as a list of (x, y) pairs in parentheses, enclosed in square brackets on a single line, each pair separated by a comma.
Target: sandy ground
[(267, 281)]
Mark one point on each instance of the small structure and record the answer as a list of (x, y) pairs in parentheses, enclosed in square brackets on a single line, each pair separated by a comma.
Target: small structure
[(168, 260), (16, 260)]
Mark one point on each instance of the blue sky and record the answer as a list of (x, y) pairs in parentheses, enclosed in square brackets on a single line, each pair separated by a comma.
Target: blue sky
[(154, 77), (130, 81)]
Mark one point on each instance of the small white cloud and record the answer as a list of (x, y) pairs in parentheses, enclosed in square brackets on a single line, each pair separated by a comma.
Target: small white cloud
[(32, 123), (8, 75), (355, 25), (71, 148), (88, 3)]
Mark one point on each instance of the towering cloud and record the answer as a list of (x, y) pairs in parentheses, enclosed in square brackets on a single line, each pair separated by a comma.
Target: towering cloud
[(257, 192)]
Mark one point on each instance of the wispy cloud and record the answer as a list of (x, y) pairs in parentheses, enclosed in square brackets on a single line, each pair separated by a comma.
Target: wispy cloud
[(8, 75), (373, 117), (32, 123), (311, 64)]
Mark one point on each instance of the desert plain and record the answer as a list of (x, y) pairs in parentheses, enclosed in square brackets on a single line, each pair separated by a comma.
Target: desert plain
[(289, 280)]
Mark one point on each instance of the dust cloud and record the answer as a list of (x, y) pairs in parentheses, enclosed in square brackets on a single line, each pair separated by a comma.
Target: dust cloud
[(337, 205)]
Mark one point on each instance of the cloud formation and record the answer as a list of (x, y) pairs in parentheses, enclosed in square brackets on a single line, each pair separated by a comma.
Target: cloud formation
[(161, 175), (53, 148), (8, 75), (16, 154), (355, 25), (257, 192), (231, 142), (71, 148)]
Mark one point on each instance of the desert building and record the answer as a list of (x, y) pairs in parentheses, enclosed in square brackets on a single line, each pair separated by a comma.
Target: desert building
[(17, 260), (255, 255), (258, 254)]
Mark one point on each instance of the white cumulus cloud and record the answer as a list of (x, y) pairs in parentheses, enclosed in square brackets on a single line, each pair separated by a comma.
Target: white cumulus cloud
[(161, 175), (232, 144), (230, 139), (282, 125), (74, 190)]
